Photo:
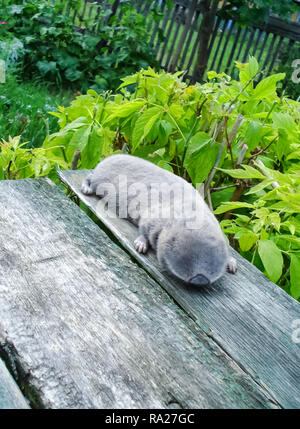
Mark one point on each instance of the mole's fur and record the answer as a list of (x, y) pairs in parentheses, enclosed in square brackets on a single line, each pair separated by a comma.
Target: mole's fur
[(171, 215)]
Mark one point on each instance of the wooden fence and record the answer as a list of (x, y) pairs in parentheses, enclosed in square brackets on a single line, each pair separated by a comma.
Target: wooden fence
[(179, 30)]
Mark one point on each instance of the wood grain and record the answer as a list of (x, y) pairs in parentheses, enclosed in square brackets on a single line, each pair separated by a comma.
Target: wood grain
[(246, 314), (10, 395), (83, 326)]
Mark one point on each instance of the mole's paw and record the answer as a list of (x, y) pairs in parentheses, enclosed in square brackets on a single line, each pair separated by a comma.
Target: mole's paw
[(86, 189), (232, 265), (141, 244)]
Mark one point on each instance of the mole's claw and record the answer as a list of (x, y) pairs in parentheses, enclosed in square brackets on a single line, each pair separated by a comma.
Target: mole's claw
[(85, 189), (232, 265), (141, 244)]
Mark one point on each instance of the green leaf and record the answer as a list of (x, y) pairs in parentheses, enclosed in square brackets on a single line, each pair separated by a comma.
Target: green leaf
[(248, 70), (247, 173), (92, 152), (283, 121), (225, 207), (213, 75), (253, 134), (176, 111), (200, 157), (262, 185), (253, 66), (124, 110), (78, 141), (295, 276), (46, 67), (165, 165), (72, 74), (271, 258), (144, 124), (267, 87), (247, 241), (277, 175)]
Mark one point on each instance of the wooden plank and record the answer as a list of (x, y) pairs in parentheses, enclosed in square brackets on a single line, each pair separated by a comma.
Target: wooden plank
[(10, 395), (250, 317), (225, 23), (282, 28), (269, 53), (275, 55), (191, 11), (167, 37), (263, 45), (230, 61), (83, 326), (229, 31), (172, 47), (248, 46), (189, 40)]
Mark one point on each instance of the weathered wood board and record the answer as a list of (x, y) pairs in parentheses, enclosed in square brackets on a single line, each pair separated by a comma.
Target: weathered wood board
[(83, 326), (246, 314), (10, 395)]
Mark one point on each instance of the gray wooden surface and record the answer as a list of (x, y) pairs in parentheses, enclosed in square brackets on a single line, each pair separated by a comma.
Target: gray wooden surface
[(246, 314), (10, 395), (83, 326)]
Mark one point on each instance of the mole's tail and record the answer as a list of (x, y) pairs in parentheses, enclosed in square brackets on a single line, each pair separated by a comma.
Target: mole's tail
[(86, 187)]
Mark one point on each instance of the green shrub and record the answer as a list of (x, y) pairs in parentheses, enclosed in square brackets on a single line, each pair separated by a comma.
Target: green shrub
[(267, 227), (17, 162), (58, 53), (203, 132)]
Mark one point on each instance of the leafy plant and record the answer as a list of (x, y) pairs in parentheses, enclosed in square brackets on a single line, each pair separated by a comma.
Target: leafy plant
[(161, 118), (203, 132), (17, 162), (248, 11), (59, 53), (268, 228), (287, 57)]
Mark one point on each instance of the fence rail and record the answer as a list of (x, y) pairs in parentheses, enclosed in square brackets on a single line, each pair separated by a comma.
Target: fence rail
[(176, 37)]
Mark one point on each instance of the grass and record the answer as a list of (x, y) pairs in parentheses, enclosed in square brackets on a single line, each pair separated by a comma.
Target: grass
[(24, 108)]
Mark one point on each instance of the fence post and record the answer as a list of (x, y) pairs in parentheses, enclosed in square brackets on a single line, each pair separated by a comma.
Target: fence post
[(114, 9), (189, 19), (205, 32)]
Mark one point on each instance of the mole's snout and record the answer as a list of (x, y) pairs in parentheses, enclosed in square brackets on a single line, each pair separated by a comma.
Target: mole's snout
[(199, 280)]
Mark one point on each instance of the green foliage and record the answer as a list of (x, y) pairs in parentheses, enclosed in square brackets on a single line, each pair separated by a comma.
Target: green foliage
[(258, 11), (191, 130), (161, 118), (60, 54), (268, 229), (287, 57), (17, 162)]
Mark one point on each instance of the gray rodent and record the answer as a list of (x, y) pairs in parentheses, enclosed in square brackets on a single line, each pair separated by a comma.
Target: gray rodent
[(178, 224)]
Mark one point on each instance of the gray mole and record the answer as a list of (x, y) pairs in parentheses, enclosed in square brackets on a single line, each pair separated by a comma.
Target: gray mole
[(177, 224)]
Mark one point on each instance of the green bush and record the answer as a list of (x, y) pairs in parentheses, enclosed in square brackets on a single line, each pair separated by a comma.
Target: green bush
[(17, 162), (204, 133), (57, 52)]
